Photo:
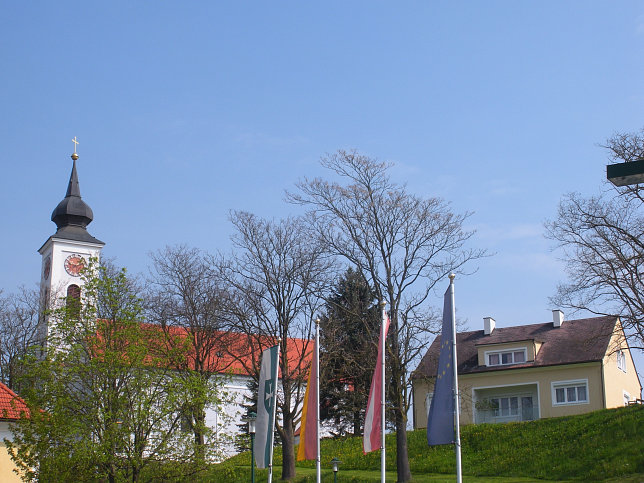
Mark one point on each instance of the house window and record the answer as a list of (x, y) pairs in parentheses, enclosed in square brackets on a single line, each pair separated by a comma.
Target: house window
[(428, 400), (505, 406), (506, 357), (621, 360), (186, 421), (569, 392)]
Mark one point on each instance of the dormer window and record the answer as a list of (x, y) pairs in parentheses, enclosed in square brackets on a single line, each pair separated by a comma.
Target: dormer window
[(506, 357)]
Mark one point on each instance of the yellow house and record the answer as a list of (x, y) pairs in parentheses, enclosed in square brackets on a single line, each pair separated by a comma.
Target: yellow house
[(534, 371)]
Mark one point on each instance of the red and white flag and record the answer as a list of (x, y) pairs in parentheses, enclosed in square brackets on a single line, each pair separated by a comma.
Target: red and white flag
[(373, 422)]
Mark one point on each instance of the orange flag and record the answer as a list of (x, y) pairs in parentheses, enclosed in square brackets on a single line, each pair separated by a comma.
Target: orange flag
[(308, 427)]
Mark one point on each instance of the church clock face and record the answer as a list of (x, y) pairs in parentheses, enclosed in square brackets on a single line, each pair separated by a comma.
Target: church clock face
[(74, 264), (47, 270)]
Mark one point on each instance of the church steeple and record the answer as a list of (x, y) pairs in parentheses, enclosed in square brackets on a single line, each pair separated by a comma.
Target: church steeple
[(69, 250), (72, 215)]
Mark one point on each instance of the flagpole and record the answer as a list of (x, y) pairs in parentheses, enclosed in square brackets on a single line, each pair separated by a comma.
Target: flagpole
[(457, 438), (382, 394), (318, 470)]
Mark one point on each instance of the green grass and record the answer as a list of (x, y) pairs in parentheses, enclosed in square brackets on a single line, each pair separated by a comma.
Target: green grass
[(605, 445)]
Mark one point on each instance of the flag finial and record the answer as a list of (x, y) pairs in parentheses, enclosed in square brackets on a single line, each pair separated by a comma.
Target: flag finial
[(383, 302), (452, 276)]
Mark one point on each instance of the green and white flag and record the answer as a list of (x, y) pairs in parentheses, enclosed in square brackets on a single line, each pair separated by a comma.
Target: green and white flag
[(266, 406)]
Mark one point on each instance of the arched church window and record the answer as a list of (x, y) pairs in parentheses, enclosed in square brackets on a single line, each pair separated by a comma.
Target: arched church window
[(74, 300)]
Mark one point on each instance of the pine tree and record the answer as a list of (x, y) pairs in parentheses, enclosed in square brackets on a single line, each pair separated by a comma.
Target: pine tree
[(348, 342)]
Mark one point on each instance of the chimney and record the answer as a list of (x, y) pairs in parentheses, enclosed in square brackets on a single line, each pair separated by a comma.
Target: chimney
[(557, 318), (488, 325)]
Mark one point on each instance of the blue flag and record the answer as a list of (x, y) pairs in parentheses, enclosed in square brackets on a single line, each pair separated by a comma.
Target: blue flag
[(440, 421)]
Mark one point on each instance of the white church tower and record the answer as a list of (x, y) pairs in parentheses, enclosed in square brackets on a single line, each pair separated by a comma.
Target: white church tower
[(67, 251)]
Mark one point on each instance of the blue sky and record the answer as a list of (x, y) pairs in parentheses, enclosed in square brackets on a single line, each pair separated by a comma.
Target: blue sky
[(186, 110)]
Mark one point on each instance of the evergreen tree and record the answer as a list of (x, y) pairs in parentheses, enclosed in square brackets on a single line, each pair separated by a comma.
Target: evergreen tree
[(349, 333)]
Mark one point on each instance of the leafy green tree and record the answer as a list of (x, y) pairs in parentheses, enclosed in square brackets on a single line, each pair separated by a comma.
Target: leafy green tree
[(349, 332), (104, 405)]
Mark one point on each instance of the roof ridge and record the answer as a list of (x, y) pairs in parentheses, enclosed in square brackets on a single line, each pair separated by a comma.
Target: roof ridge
[(541, 323)]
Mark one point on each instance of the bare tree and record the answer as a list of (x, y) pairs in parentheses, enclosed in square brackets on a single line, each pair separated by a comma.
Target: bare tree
[(185, 298), (277, 274), (19, 314), (402, 244), (602, 241)]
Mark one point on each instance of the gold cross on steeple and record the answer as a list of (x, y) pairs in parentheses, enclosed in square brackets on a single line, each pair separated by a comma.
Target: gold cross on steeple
[(75, 155)]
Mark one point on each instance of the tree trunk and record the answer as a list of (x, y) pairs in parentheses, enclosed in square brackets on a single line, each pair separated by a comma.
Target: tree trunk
[(400, 416), (356, 423), (200, 419), (402, 458), (288, 449)]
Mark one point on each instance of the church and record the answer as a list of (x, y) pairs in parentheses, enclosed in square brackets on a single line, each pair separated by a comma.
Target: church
[(69, 250)]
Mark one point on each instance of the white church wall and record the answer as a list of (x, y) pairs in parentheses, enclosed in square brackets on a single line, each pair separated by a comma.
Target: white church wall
[(225, 422)]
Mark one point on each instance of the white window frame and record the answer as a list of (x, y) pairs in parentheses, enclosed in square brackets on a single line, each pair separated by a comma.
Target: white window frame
[(621, 360), (506, 351), (498, 411), (430, 395), (554, 385), (428, 400), (536, 403)]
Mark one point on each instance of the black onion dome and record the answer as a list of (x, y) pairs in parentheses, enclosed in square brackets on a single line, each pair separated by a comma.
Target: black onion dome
[(72, 215), (72, 210)]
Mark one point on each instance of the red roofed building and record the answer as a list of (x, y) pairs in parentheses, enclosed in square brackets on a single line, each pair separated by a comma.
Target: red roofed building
[(237, 360), (69, 250), (12, 407), (240, 353)]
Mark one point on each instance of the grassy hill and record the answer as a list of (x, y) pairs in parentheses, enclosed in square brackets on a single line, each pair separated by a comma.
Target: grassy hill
[(602, 445)]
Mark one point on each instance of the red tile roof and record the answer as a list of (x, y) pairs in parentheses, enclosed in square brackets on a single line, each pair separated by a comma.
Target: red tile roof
[(11, 405), (235, 353), (239, 353), (582, 340)]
